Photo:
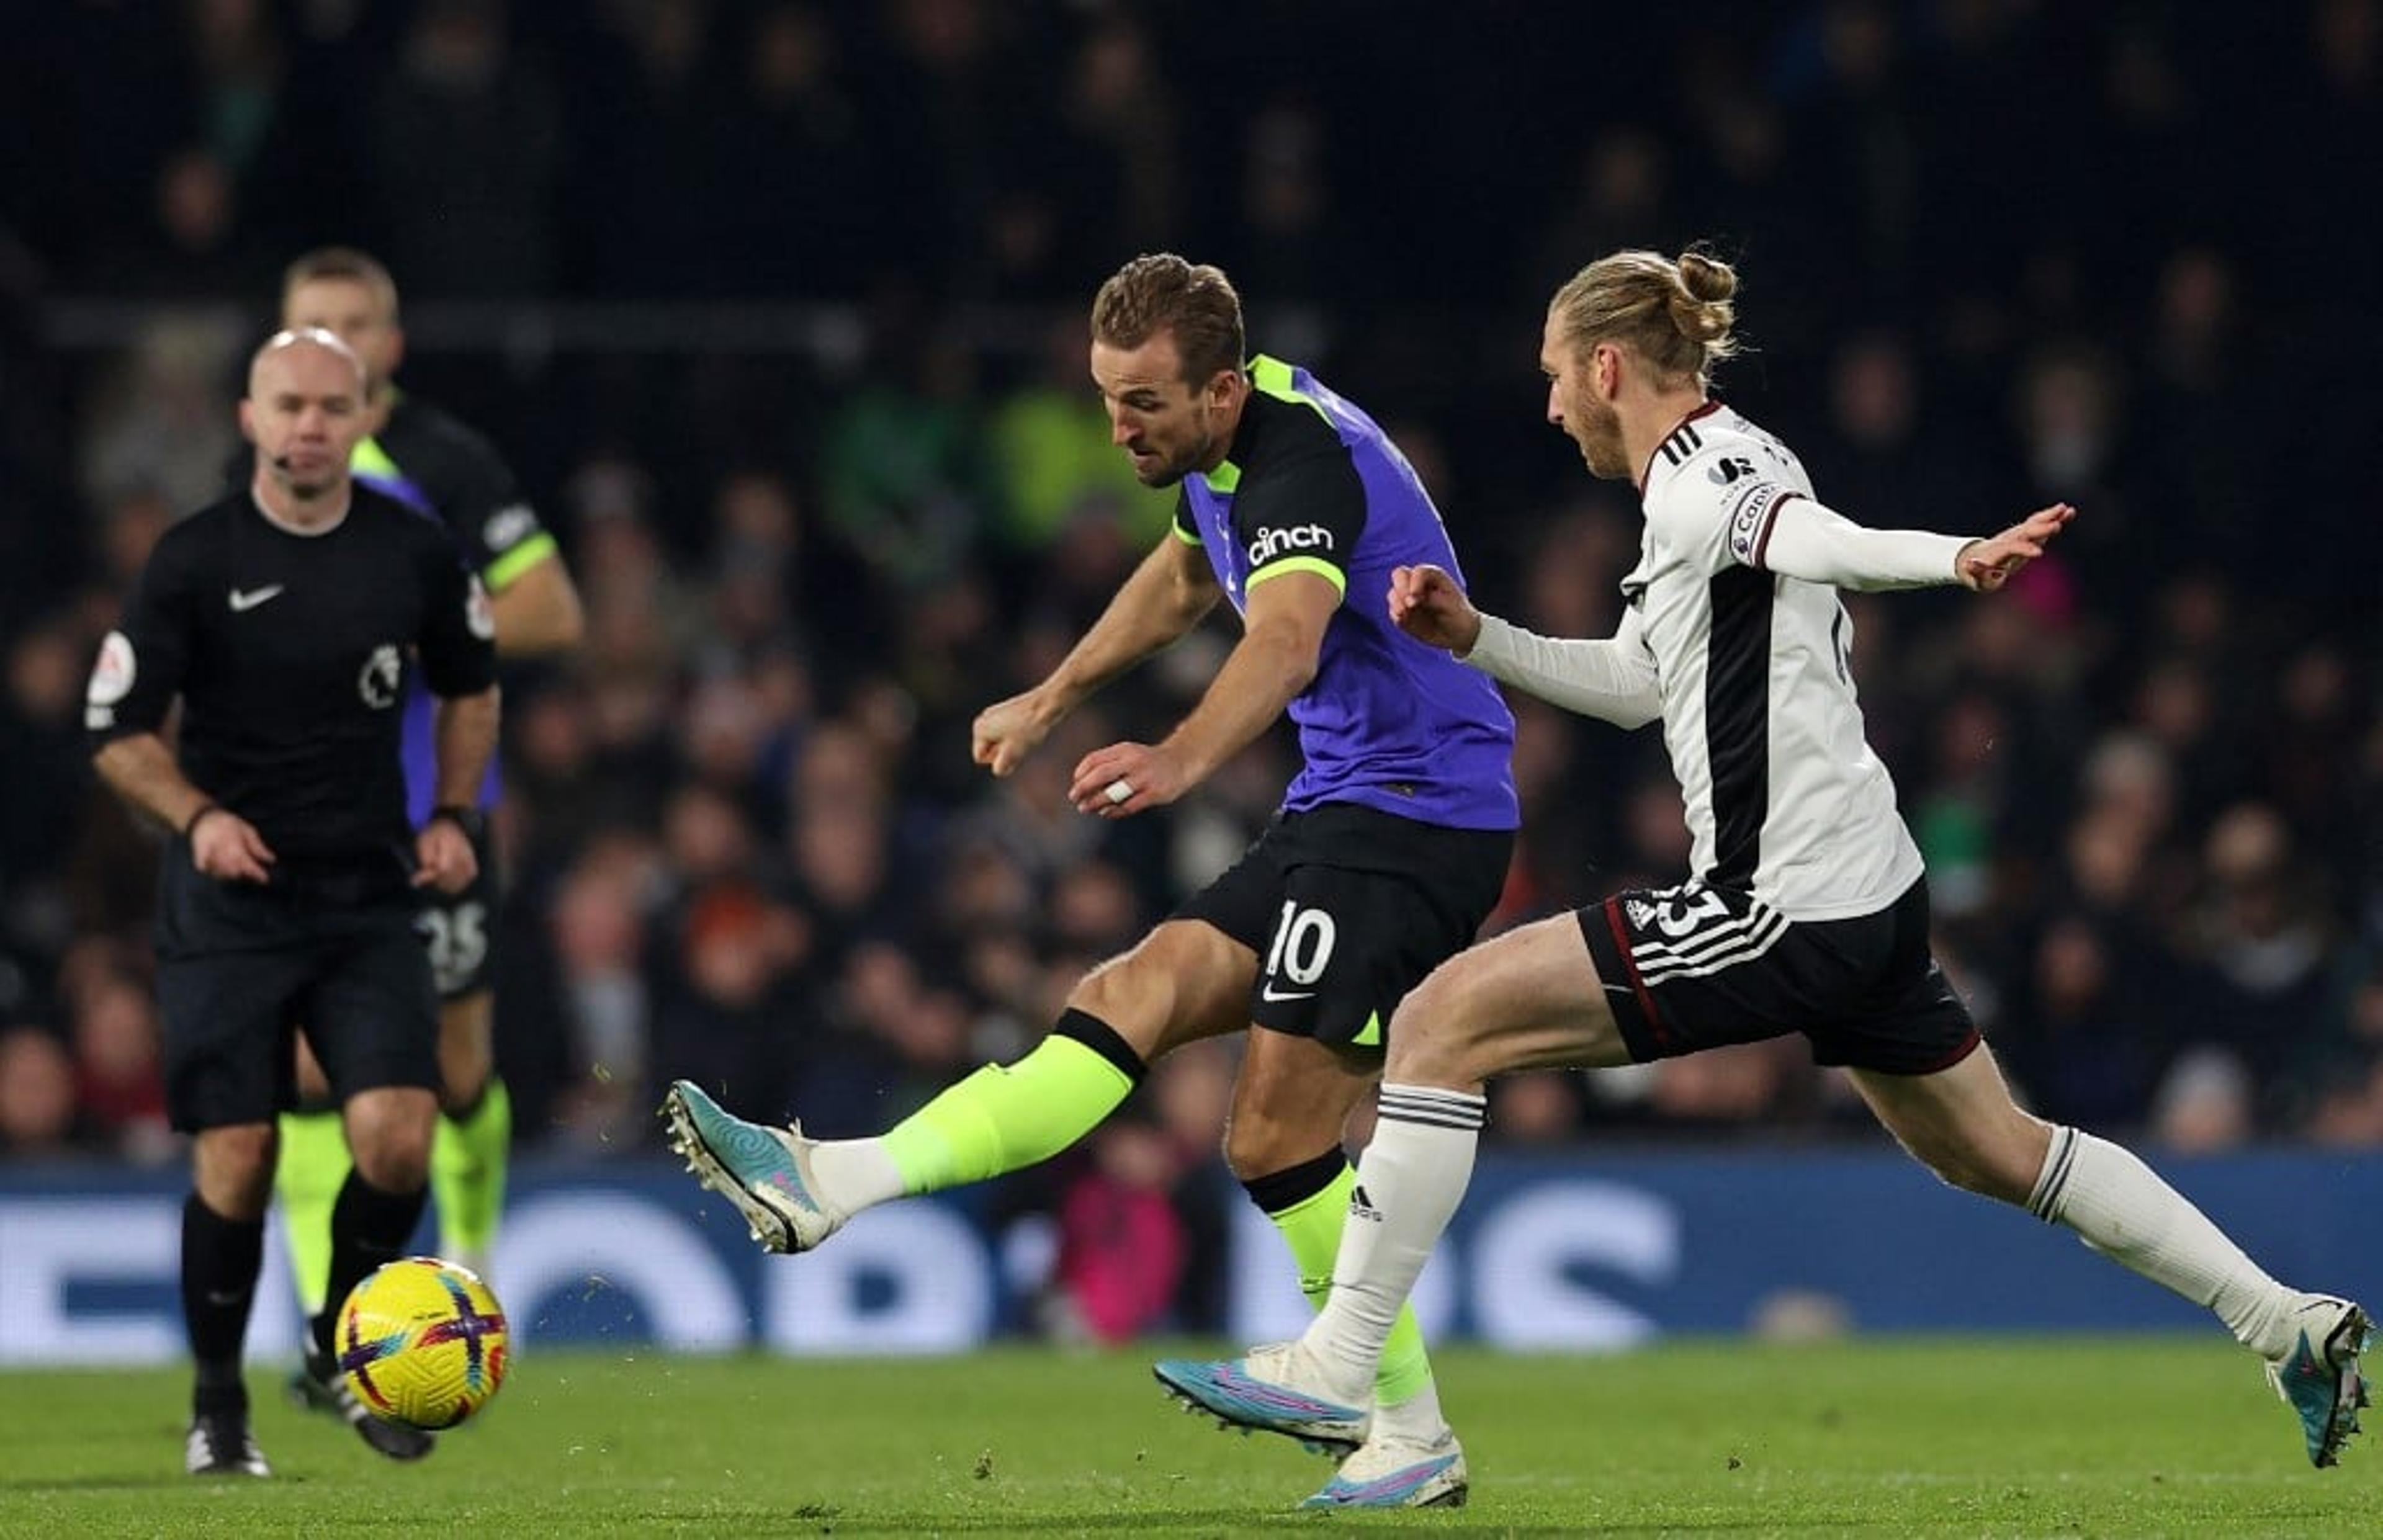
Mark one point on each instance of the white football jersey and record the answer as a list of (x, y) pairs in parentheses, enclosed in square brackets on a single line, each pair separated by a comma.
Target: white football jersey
[(1785, 798)]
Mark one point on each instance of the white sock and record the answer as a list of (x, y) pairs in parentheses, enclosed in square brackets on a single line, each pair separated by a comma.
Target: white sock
[(2121, 1208), (854, 1174), (1418, 1417), (1409, 1182)]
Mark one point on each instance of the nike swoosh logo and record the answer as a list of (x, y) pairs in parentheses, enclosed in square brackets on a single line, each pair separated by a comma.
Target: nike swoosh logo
[(1270, 992), (244, 599)]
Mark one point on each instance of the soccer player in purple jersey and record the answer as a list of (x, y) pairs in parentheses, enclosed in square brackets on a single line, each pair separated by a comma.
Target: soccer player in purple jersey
[(1391, 849), (1808, 912)]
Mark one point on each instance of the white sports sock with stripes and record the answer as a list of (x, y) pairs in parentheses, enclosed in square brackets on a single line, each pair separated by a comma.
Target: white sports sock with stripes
[(2120, 1208), (1409, 1182)]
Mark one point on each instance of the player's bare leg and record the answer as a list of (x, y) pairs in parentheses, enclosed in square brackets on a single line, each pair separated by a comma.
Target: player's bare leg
[(1962, 1123)]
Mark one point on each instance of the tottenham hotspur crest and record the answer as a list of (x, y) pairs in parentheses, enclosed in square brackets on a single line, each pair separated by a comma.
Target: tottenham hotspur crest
[(382, 672)]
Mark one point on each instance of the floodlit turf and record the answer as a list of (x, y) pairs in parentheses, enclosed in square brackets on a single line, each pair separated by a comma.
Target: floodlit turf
[(2142, 1435)]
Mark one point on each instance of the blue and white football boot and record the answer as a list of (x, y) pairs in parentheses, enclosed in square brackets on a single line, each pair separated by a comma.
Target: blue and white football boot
[(764, 1171), (1396, 1471), (1283, 1389), (1274, 1390), (2319, 1376)]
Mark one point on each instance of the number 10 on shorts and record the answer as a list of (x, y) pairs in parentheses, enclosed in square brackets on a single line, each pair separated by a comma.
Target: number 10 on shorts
[(1303, 945)]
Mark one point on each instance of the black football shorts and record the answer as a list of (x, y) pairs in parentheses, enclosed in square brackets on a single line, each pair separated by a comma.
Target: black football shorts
[(1347, 908), (1696, 966), (361, 989)]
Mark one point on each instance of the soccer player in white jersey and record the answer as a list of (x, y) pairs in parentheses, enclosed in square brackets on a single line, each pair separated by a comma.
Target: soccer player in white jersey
[(1807, 911)]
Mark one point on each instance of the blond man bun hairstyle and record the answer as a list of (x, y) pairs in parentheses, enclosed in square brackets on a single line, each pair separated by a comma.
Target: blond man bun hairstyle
[(1675, 314), (1702, 310)]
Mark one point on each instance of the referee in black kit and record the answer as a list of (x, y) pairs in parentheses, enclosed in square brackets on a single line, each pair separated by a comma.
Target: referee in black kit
[(287, 618)]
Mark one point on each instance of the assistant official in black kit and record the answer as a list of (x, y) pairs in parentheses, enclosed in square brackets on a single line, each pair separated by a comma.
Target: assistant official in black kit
[(288, 618)]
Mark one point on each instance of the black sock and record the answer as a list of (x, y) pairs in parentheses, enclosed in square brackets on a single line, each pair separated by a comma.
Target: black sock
[(1102, 1038), (472, 1104), (1281, 1189), (221, 1259), (369, 1228)]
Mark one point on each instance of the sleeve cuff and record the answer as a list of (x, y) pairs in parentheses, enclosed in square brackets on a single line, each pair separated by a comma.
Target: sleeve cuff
[(1493, 647)]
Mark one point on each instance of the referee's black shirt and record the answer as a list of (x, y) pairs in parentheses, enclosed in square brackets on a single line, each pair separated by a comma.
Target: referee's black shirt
[(291, 653)]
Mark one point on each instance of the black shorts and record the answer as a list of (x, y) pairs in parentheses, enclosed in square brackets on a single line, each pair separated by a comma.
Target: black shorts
[(354, 976), (459, 933), (1694, 966), (1347, 909)]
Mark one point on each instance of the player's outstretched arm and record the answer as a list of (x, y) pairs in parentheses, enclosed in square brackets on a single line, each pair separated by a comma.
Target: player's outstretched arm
[(1165, 597), (1798, 537), (1614, 680), (1985, 565)]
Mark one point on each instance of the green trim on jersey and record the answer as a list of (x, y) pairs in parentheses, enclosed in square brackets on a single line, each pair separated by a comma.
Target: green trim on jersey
[(369, 459), (1189, 536), (1317, 564), (1268, 376), (507, 569), (1273, 377), (1370, 1035)]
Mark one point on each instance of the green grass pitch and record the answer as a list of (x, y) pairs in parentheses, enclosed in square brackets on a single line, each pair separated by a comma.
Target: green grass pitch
[(2007, 1437)]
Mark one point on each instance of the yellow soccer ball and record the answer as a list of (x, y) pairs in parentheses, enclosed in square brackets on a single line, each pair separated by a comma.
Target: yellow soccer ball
[(422, 1342)]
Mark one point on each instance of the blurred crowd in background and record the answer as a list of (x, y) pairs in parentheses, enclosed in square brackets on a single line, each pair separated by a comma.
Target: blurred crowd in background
[(778, 310)]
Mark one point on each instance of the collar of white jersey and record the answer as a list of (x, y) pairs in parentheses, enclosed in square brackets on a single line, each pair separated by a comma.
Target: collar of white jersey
[(1677, 445)]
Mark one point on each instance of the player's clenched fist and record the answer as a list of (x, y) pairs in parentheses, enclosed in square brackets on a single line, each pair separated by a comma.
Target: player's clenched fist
[(1008, 731), (1427, 605)]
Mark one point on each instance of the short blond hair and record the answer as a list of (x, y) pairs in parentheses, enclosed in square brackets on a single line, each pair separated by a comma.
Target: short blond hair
[(1674, 313), (1164, 292), (342, 263)]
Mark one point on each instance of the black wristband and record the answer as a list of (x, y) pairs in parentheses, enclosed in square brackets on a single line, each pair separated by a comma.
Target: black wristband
[(191, 824), (471, 820)]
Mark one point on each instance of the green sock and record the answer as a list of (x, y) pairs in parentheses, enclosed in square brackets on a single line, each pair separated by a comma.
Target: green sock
[(1006, 1117), (312, 1168), (1311, 1227), (468, 1176)]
